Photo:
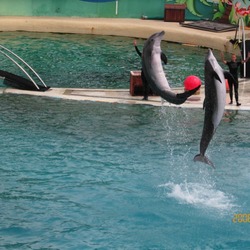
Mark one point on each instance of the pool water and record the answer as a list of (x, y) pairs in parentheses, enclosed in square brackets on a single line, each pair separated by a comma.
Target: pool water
[(88, 61), (86, 175)]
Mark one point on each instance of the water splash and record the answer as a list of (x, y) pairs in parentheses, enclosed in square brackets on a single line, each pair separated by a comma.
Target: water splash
[(199, 195)]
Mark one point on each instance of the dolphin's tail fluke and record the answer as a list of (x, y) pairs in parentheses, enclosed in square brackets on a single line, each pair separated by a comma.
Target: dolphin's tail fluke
[(187, 94), (203, 158)]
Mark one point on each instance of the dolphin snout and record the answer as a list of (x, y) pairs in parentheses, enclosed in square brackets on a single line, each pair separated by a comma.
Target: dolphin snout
[(161, 34), (158, 36)]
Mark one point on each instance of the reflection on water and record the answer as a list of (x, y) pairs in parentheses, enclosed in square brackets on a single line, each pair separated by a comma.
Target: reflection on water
[(230, 115)]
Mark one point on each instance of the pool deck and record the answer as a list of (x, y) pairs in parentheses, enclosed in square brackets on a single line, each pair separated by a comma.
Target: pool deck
[(135, 28), (123, 96), (129, 27)]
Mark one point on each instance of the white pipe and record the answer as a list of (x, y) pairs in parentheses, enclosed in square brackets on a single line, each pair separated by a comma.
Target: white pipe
[(116, 7), (242, 26)]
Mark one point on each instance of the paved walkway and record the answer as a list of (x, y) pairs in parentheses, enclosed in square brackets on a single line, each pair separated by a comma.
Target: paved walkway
[(130, 28)]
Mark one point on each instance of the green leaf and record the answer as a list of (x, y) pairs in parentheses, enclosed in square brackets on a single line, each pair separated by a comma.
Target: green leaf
[(231, 17), (205, 2), (191, 8), (247, 20), (221, 7), (181, 1), (217, 15)]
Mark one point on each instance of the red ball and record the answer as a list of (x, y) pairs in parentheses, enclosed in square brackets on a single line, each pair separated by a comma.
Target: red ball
[(192, 82)]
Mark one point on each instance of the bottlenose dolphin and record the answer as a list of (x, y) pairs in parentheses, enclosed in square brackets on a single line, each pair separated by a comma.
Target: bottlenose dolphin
[(214, 103), (153, 71)]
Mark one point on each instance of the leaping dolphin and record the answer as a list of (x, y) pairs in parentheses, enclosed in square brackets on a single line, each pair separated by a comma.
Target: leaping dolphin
[(153, 71), (214, 103)]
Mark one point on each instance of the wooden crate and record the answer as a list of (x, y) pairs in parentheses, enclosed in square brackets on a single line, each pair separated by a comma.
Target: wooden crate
[(174, 13)]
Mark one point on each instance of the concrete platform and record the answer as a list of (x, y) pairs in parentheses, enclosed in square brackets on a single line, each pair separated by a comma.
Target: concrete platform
[(123, 96)]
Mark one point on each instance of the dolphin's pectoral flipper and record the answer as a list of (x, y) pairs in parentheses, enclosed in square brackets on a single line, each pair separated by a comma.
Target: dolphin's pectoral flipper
[(187, 94), (204, 103), (215, 75), (203, 158), (229, 76), (164, 58)]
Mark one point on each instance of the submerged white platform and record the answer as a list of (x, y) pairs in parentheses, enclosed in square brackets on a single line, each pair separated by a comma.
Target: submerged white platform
[(123, 96)]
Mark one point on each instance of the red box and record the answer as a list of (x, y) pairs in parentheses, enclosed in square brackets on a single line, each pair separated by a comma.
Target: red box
[(174, 13), (136, 87)]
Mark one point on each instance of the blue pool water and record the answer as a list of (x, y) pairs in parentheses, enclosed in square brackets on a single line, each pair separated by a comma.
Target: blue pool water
[(85, 175)]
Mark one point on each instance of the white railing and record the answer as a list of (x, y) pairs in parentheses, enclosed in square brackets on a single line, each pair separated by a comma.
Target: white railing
[(19, 66)]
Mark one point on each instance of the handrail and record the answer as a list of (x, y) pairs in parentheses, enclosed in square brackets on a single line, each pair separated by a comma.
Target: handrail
[(1, 46), (20, 68)]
